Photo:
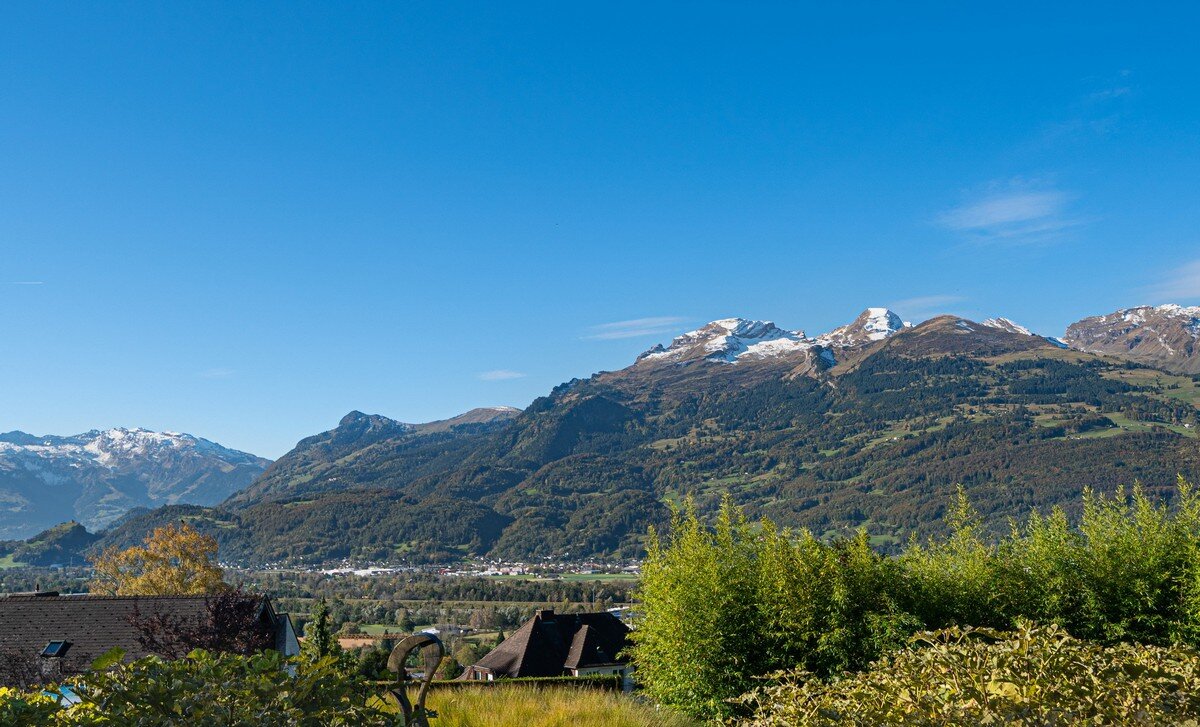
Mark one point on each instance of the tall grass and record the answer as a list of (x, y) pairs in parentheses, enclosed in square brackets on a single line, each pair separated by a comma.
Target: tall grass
[(534, 706)]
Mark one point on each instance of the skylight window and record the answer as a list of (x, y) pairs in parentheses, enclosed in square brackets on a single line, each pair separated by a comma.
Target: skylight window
[(56, 649)]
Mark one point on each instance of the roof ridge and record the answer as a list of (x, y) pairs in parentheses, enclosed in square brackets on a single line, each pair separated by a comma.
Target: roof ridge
[(109, 597), (532, 624)]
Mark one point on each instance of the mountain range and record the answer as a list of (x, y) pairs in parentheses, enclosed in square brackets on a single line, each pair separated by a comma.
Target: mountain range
[(872, 425), (97, 476)]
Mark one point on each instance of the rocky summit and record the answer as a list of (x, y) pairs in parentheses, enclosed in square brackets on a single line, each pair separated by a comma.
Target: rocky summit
[(1165, 336)]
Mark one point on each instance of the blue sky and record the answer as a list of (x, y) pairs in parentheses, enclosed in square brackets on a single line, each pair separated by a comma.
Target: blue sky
[(243, 220)]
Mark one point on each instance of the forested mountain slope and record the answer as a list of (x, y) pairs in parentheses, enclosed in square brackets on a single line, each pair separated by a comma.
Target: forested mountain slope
[(873, 427)]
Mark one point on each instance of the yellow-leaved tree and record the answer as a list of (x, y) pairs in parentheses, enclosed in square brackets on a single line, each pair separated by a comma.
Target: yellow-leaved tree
[(174, 560)]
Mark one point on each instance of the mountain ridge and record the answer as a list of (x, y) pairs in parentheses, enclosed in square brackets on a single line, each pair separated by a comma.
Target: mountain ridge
[(1165, 336), (873, 427), (97, 475)]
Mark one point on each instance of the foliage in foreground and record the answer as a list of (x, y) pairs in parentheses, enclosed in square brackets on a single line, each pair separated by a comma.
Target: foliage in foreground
[(205, 689), (229, 689), (1035, 676), (724, 606)]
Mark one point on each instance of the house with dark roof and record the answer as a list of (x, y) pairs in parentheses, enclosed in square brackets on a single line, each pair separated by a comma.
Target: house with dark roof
[(63, 633), (550, 645)]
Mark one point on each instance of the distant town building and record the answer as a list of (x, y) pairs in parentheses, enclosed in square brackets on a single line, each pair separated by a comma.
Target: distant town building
[(443, 631), (550, 644)]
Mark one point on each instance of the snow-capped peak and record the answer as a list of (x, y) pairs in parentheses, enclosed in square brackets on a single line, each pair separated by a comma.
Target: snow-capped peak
[(1139, 315), (119, 445), (1005, 324), (111, 445), (1176, 310), (730, 340), (873, 324), (882, 323), (97, 476)]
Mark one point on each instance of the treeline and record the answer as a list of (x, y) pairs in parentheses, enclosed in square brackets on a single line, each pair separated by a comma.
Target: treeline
[(406, 586), (63, 580), (725, 606)]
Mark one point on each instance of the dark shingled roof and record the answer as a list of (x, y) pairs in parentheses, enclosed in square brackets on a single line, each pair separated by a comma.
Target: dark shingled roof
[(549, 644), (96, 624)]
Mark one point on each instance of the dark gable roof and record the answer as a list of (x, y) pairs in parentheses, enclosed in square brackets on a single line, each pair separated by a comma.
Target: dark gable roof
[(93, 624), (548, 644)]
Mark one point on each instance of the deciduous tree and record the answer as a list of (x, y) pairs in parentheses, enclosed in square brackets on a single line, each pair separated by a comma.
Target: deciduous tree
[(174, 560)]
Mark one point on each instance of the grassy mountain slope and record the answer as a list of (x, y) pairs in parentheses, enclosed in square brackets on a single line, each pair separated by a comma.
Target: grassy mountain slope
[(60, 545), (879, 440)]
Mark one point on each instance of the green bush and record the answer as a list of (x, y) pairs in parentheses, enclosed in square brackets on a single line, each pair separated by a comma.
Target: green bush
[(723, 606), (21, 708), (205, 689), (1130, 571), (1035, 676)]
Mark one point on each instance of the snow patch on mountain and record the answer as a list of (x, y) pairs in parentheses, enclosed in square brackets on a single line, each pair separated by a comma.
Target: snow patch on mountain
[(730, 340), (1005, 324), (1164, 336), (96, 476), (873, 324), (1139, 315), (120, 446)]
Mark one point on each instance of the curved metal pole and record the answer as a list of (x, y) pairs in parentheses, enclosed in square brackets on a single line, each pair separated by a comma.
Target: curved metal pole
[(431, 653)]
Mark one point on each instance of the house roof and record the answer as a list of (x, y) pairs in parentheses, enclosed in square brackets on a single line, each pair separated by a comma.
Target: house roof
[(549, 644), (93, 624)]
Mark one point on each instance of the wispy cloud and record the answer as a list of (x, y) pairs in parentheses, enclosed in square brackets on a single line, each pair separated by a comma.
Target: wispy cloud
[(1012, 214), (1108, 94), (1182, 284), (924, 307), (500, 375), (1093, 114), (635, 328), (217, 373)]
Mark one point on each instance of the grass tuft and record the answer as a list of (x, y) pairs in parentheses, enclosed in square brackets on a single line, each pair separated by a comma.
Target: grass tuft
[(533, 706)]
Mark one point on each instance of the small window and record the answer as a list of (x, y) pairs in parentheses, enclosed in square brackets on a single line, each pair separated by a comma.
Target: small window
[(56, 649)]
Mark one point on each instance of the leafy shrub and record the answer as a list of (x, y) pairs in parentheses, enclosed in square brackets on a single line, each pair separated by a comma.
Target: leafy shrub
[(1130, 571), (1035, 676), (204, 689), (20, 708), (723, 606)]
